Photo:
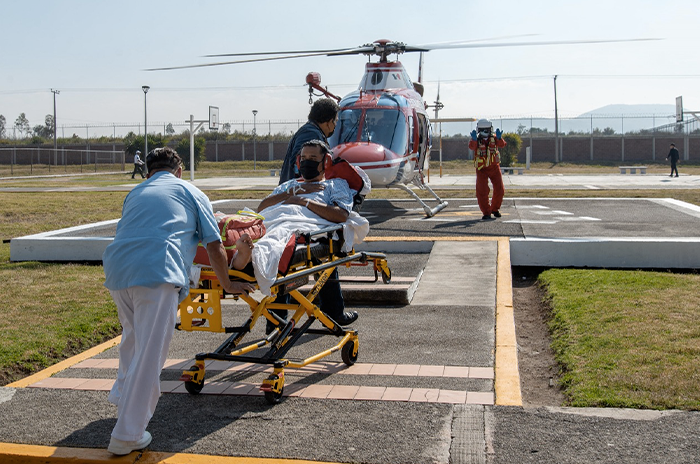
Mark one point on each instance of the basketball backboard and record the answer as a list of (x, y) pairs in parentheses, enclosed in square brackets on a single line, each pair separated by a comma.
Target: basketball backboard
[(213, 118)]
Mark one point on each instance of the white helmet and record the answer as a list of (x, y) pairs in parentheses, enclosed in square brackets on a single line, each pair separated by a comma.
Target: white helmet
[(484, 124)]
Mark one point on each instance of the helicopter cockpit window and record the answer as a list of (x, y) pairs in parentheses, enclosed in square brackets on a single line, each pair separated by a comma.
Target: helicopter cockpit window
[(347, 127), (386, 127)]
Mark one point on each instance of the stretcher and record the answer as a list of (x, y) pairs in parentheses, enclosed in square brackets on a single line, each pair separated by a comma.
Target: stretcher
[(318, 255)]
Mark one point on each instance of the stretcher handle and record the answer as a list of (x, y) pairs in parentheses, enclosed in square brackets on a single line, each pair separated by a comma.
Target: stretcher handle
[(319, 268)]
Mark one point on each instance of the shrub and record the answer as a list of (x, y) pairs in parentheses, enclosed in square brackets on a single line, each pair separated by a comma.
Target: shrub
[(509, 153)]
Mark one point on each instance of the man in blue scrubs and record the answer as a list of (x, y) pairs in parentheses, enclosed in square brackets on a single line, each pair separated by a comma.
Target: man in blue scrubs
[(147, 273)]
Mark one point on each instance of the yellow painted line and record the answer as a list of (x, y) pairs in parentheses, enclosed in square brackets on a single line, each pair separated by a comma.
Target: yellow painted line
[(30, 454), (65, 364), (432, 239), (507, 382)]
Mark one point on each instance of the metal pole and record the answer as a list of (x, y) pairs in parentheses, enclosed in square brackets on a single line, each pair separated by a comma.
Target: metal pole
[(55, 144), (145, 89), (255, 156), (192, 147), (531, 151), (556, 123)]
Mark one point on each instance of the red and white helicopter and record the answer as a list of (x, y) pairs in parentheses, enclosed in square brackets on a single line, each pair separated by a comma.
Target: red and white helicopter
[(383, 126)]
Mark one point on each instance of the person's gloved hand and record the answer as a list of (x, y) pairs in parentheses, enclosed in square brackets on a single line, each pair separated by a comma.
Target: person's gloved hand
[(473, 134), (499, 133)]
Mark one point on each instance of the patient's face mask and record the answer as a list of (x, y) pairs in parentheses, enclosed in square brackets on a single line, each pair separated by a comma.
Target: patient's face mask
[(309, 169)]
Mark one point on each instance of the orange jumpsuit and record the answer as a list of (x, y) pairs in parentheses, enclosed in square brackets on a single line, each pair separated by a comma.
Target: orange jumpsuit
[(487, 163)]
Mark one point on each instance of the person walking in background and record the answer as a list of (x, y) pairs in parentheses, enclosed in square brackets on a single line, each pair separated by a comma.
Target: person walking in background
[(323, 118), (674, 156), (487, 161), (138, 165), (147, 269)]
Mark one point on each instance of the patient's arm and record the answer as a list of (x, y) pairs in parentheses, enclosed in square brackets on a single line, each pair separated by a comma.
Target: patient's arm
[(331, 213), (274, 199)]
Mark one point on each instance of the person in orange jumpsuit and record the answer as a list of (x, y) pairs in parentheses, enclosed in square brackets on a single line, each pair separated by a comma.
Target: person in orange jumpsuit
[(487, 161)]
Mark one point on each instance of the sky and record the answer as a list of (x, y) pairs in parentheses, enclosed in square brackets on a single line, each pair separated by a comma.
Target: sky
[(96, 52)]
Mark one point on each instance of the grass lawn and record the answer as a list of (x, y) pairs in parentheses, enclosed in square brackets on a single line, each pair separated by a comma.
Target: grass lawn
[(626, 339)]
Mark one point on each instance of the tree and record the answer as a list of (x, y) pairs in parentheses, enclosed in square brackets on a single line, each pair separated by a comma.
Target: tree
[(22, 124), (183, 149), (509, 153), (169, 130), (226, 128), (133, 142), (45, 131), (3, 122)]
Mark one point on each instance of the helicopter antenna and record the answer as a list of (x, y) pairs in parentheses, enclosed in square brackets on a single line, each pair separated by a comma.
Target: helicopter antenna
[(438, 104)]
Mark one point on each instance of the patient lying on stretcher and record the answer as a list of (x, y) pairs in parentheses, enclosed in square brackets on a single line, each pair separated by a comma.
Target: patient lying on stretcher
[(308, 204)]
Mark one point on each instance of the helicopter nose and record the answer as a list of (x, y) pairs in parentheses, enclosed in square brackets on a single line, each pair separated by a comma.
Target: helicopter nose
[(361, 152)]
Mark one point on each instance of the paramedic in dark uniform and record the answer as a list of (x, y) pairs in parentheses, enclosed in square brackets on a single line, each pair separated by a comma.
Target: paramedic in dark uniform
[(147, 269), (331, 199), (323, 118)]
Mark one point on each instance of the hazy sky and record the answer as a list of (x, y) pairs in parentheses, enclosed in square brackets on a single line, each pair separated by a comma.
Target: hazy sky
[(95, 52)]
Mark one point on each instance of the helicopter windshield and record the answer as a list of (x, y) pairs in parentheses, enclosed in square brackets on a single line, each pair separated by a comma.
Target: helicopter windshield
[(386, 127)]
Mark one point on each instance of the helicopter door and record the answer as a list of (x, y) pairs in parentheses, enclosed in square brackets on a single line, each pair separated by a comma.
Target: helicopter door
[(423, 141)]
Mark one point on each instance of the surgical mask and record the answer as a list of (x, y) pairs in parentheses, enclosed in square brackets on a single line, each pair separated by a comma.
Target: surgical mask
[(309, 168)]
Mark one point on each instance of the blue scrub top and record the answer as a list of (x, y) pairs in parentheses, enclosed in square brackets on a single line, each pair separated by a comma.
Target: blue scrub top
[(163, 220)]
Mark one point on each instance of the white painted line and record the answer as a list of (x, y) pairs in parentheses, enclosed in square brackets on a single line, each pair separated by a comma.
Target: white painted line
[(554, 213), (580, 218), (525, 221)]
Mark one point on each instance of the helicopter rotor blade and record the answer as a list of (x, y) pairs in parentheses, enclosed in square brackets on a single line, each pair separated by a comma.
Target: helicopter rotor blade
[(224, 63), (291, 52), (534, 43)]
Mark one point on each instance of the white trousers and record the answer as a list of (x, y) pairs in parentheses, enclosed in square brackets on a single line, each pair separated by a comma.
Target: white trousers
[(148, 318)]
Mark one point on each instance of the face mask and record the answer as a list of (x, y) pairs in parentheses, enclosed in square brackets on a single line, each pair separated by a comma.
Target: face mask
[(309, 169), (484, 134)]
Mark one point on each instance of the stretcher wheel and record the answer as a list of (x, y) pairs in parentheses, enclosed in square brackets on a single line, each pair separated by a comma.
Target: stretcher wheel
[(386, 277), (271, 396), (194, 388), (346, 353)]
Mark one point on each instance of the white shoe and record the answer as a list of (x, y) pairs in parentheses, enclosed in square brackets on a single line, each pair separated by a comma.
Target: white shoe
[(121, 447)]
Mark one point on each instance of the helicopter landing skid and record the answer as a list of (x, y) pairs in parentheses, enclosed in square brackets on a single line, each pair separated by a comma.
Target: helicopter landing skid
[(429, 212)]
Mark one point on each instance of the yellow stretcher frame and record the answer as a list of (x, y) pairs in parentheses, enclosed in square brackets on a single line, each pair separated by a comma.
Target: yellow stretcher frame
[(201, 311)]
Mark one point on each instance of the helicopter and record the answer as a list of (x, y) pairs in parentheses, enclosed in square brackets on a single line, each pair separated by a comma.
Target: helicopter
[(383, 126)]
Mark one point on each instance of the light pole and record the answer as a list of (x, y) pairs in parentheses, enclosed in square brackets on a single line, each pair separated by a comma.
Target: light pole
[(145, 89), (55, 144), (556, 123), (255, 155)]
